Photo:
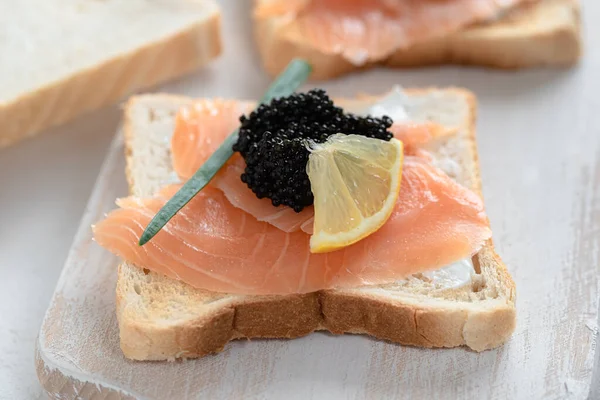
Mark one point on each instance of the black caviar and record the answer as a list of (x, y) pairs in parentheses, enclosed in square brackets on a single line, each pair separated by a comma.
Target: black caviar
[(273, 140)]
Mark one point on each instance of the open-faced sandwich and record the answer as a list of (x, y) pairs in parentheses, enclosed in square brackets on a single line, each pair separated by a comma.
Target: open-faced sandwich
[(339, 36), (355, 215)]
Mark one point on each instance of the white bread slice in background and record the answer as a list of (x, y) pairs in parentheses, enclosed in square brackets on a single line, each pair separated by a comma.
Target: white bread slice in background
[(63, 58), (160, 318), (539, 34)]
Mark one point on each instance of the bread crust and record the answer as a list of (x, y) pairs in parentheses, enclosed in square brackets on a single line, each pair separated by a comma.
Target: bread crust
[(62, 100), (436, 323), (541, 34)]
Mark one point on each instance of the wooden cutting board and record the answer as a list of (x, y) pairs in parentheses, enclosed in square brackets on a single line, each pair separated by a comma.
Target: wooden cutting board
[(551, 354), (539, 144)]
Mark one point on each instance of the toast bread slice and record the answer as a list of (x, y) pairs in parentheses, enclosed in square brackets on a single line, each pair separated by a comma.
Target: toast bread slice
[(161, 318), (81, 55), (543, 33)]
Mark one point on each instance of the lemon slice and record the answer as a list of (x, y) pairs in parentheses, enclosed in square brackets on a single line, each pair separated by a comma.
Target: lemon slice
[(355, 181)]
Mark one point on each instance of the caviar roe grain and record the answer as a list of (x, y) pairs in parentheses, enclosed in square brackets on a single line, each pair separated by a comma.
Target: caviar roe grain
[(273, 140)]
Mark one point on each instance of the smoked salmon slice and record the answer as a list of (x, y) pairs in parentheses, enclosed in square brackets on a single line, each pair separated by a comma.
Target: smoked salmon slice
[(283, 217), (414, 135), (370, 30), (213, 245), (203, 126)]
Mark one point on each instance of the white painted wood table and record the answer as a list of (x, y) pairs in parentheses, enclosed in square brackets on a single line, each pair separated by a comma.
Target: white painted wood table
[(539, 141)]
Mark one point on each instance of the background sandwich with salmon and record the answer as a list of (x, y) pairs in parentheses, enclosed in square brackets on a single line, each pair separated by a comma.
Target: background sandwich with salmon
[(379, 230), (339, 37)]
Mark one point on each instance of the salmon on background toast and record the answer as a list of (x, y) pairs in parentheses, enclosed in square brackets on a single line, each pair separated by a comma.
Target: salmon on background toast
[(365, 31)]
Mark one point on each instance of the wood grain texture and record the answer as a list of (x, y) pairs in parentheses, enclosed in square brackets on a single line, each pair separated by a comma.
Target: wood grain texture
[(539, 144)]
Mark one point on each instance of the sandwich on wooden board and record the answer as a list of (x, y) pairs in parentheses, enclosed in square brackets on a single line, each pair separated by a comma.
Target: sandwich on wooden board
[(339, 37), (62, 59), (292, 227)]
